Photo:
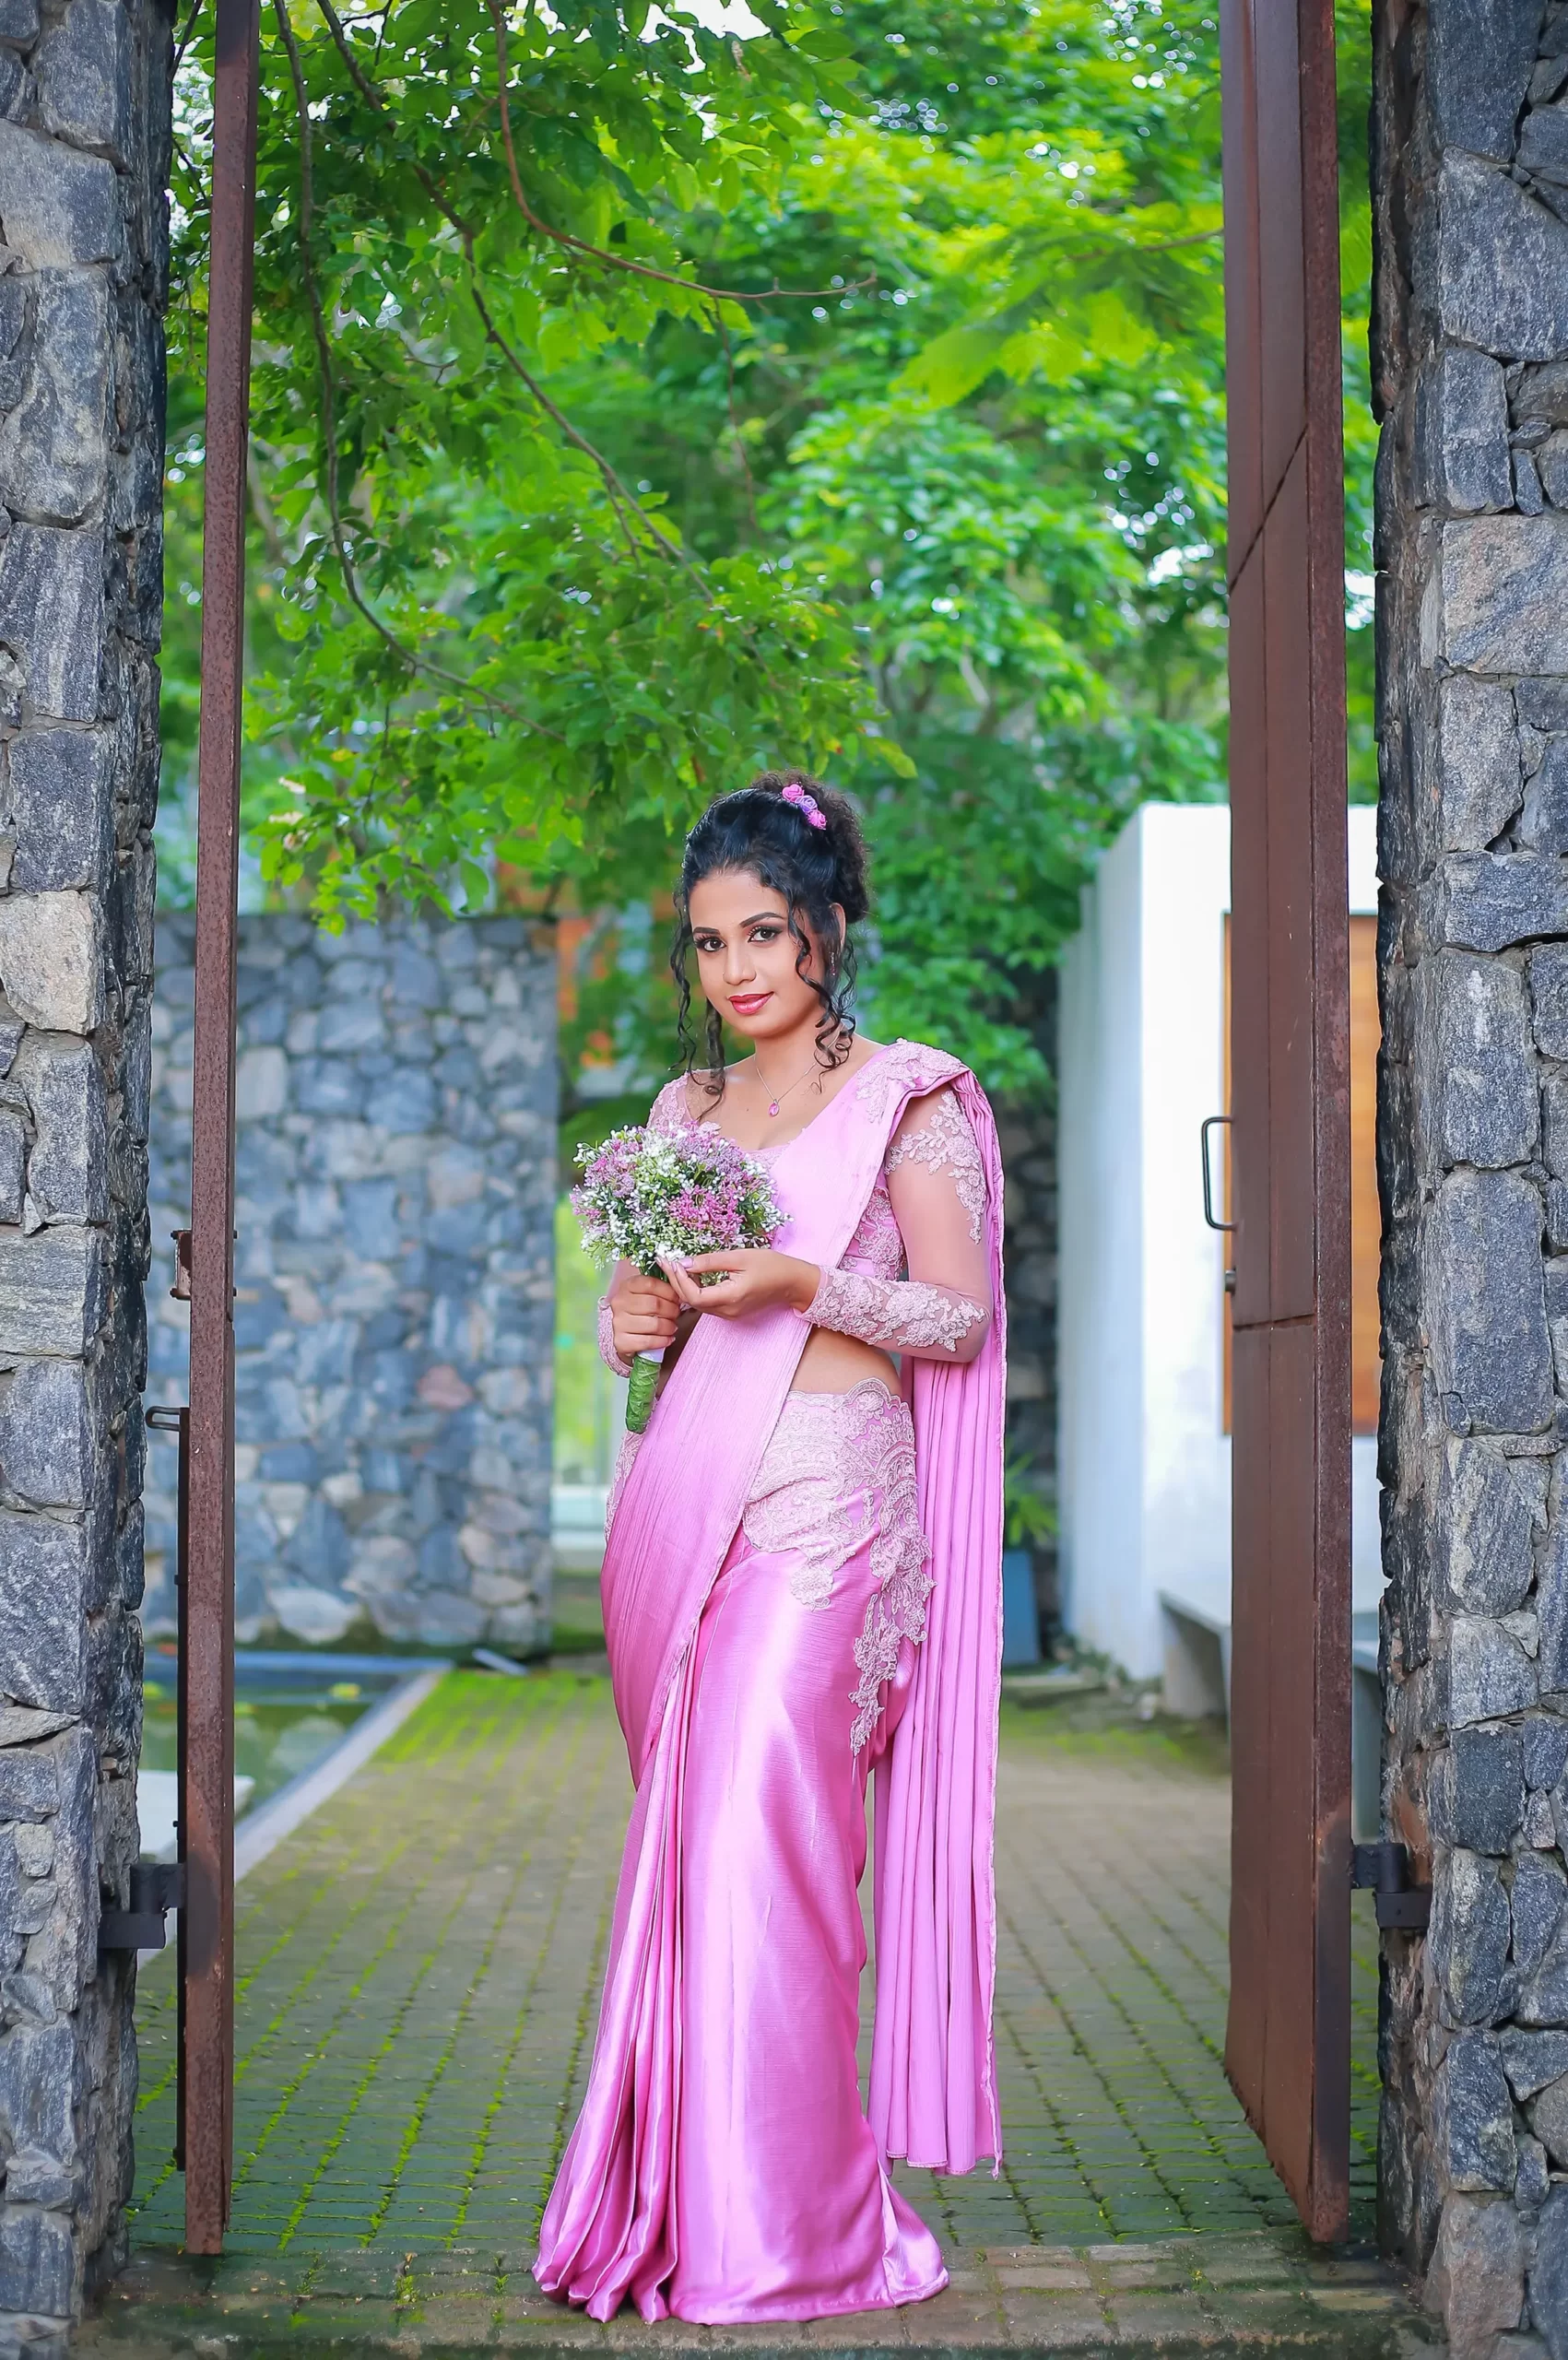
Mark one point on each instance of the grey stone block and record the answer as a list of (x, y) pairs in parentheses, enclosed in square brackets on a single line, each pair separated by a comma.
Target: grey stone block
[(1462, 433), (1542, 393), (1543, 825), (1489, 1674), (1480, 54), (1542, 704), (1545, 1754), (1475, 2116), (1552, 466), (18, 23), (38, 2263), (68, 1168), (49, 1442), (39, 2086), (1489, 1788), (1476, 783), (1469, 1937), (84, 81), (42, 1586), (1503, 585), (32, 2179), (1492, 901), (1501, 265), (1487, 1509), (51, 608), (13, 1152), (1548, 2274), (1549, 995), (1543, 144), (1477, 1076), (1548, 2116), (1491, 1355), (1477, 2280), (29, 1789), (53, 445), (60, 210), (1532, 2181), (54, 1291), (1531, 2059), (61, 809)]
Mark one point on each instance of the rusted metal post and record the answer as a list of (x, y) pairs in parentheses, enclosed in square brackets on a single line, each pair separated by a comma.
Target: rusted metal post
[(207, 1655)]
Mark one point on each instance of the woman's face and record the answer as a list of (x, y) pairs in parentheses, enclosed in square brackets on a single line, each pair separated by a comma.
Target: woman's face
[(746, 955)]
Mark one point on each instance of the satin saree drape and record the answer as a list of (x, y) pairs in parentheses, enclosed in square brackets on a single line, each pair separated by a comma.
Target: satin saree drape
[(933, 2083)]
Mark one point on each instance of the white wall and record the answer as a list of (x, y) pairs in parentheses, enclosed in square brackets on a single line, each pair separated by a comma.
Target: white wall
[(1144, 1467)]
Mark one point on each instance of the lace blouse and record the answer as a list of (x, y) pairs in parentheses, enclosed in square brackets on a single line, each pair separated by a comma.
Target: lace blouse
[(916, 1276)]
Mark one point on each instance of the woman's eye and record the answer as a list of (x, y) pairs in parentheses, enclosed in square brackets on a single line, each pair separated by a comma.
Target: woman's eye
[(707, 944), (765, 934)]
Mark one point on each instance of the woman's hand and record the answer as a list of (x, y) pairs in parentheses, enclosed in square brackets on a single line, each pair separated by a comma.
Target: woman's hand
[(754, 1280), (643, 1313)]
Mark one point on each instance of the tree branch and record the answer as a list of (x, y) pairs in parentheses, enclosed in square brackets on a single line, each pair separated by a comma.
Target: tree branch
[(410, 657), (625, 262)]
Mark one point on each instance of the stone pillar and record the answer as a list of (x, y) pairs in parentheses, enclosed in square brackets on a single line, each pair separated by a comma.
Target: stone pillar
[(84, 130), (1470, 371)]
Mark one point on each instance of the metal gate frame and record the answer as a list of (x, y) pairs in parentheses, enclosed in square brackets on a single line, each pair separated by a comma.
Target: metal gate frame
[(1286, 2048), (207, 1658)]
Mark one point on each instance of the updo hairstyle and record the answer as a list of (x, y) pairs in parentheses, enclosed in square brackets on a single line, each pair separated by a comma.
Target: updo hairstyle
[(757, 829)]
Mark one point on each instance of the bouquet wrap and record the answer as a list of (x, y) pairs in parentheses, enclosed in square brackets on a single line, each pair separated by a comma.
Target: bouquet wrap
[(644, 1198)]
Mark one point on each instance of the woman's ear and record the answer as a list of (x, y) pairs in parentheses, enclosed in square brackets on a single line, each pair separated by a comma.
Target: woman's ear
[(835, 911)]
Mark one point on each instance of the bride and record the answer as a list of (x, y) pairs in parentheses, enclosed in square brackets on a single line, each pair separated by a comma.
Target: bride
[(801, 1584)]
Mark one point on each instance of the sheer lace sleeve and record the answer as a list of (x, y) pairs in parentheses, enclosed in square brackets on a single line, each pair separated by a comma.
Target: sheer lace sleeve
[(608, 1352), (671, 1112), (937, 1186)]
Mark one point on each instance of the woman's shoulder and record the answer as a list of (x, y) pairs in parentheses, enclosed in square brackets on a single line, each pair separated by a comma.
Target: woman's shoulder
[(672, 1110), (907, 1069)]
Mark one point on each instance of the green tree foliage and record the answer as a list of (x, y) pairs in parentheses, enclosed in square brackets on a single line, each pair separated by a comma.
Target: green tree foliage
[(635, 405)]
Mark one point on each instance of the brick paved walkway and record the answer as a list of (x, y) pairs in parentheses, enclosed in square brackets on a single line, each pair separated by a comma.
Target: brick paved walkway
[(418, 1970)]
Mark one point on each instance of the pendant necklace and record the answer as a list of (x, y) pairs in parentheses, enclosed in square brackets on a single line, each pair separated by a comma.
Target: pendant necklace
[(775, 1103)]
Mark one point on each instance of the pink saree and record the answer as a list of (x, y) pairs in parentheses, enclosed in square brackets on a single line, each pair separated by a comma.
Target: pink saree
[(723, 2167)]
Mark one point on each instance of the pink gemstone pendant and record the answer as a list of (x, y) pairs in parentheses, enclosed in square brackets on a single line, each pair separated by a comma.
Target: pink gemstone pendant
[(774, 1107)]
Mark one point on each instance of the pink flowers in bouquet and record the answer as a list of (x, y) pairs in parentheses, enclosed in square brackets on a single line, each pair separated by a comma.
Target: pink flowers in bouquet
[(644, 1196)]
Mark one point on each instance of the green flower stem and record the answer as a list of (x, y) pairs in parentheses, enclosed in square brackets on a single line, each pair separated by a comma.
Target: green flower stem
[(639, 1392)]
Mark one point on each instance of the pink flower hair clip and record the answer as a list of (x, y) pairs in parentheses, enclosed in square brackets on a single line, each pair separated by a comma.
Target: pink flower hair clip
[(806, 805)]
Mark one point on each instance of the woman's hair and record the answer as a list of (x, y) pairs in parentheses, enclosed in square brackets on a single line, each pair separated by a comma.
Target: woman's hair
[(757, 829)]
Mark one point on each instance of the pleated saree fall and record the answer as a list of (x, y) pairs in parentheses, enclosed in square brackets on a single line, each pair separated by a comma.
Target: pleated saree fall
[(800, 1588)]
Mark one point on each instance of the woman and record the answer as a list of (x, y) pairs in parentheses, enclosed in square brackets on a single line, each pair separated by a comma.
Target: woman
[(801, 1582)]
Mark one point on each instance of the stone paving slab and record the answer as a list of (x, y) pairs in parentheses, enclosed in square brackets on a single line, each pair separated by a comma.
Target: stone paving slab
[(419, 1974)]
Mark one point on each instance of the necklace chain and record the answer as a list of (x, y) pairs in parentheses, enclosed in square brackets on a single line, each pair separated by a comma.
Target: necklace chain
[(776, 1101)]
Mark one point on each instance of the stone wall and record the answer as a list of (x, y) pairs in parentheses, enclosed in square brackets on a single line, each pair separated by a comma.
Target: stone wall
[(1471, 368), (394, 1277), (84, 127)]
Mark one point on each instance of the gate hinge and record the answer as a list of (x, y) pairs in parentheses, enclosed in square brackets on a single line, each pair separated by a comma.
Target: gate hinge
[(1384, 1869), (155, 1885)]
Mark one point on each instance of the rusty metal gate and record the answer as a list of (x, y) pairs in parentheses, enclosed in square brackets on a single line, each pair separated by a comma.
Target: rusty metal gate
[(206, 1265), (1287, 2046)]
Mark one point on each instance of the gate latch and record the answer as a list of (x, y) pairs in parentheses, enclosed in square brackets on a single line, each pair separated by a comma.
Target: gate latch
[(1384, 1869), (155, 1885)]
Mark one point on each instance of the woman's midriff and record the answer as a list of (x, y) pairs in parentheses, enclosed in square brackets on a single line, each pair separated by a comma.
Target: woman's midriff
[(833, 1363)]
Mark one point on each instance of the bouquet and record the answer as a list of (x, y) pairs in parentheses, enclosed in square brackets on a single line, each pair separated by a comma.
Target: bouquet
[(643, 1195)]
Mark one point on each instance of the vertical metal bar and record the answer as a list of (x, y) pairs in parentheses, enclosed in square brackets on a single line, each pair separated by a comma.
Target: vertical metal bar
[(209, 1656)]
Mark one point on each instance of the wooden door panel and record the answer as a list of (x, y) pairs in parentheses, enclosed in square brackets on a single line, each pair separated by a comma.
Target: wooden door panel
[(1292, 1177), (1244, 325), (1280, 258), (1287, 2036), (1250, 1157)]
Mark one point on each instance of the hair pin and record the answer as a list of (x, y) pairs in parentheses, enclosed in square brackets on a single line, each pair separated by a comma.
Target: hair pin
[(805, 804)]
